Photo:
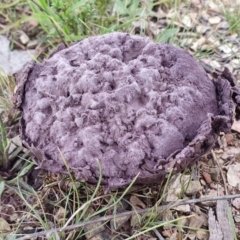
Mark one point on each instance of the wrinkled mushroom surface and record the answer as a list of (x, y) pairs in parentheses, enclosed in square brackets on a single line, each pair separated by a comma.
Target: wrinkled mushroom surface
[(134, 105)]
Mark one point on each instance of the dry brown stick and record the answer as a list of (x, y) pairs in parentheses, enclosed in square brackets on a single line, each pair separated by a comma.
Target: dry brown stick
[(129, 213), (220, 168)]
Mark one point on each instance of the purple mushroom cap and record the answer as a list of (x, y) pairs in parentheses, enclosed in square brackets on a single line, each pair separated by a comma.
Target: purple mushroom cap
[(136, 106)]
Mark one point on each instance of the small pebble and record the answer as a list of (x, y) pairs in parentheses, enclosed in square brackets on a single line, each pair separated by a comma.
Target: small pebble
[(24, 38)]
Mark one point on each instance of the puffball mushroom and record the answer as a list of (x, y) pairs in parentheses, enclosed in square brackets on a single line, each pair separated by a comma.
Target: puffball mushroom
[(136, 106)]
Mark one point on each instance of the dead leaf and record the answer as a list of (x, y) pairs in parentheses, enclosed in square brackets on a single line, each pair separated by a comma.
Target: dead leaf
[(187, 21), (214, 20), (194, 187), (215, 64), (196, 221), (213, 6), (60, 216), (215, 173), (228, 48), (32, 44), (236, 126), (237, 218), (214, 41), (137, 203), (212, 193), (198, 43), (224, 25), (167, 233), (182, 208), (202, 29), (167, 216), (4, 226), (233, 151), (93, 230), (236, 203), (186, 42), (202, 235), (191, 236), (118, 222), (233, 174), (175, 187)]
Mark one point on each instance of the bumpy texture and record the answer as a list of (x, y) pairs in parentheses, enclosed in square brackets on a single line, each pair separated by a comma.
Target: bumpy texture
[(134, 105)]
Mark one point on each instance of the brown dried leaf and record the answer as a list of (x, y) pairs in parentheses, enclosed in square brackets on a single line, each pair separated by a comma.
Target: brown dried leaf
[(93, 230), (118, 222), (196, 221), (137, 203)]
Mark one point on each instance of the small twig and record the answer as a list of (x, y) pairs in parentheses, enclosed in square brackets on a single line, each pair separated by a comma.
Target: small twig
[(221, 171), (42, 9), (128, 213), (159, 236), (18, 44)]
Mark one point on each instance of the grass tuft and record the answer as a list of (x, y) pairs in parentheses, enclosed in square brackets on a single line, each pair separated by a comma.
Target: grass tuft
[(232, 16)]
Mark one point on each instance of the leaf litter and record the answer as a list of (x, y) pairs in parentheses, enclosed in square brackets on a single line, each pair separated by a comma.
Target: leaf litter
[(226, 150)]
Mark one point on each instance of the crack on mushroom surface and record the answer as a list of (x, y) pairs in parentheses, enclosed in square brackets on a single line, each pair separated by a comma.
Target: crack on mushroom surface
[(135, 105)]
